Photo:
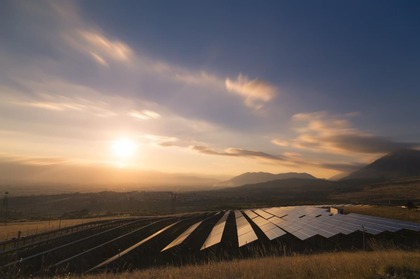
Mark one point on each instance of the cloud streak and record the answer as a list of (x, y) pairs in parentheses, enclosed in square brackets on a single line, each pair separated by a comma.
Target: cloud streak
[(280, 142), (254, 92), (145, 114), (323, 132), (103, 46), (45, 97), (237, 152), (286, 159)]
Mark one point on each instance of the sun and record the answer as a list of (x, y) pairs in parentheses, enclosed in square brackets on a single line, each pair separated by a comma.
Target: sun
[(124, 148)]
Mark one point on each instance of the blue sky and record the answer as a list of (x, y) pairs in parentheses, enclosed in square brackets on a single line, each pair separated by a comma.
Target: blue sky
[(209, 87)]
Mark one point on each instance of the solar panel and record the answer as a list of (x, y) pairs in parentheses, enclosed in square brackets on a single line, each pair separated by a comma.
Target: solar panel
[(245, 232), (250, 214), (268, 228), (263, 214), (277, 211), (325, 232), (216, 233), (302, 235), (356, 224), (182, 237), (238, 214), (278, 221)]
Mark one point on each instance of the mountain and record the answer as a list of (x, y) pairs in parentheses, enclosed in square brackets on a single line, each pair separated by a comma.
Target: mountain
[(396, 165), (293, 190), (259, 177)]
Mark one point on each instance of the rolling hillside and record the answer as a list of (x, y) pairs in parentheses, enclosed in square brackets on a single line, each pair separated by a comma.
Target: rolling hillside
[(260, 177), (396, 165)]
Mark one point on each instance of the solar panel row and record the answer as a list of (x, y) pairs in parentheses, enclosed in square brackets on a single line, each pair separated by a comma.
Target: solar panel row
[(307, 221), (245, 232), (216, 233), (182, 237), (131, 248)]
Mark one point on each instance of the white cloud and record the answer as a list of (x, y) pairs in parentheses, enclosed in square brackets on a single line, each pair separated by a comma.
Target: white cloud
[(255, 92)]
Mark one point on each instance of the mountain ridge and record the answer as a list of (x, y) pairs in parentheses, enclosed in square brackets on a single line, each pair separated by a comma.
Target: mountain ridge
[(261, 177), (395, 165)]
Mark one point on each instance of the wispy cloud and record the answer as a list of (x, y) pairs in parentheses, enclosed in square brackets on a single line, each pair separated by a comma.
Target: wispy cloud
[(99, 59), (280, 142), (92, 74), (85, 100), (254, 92), (88, 57), (102, 46), (35, 161), (145, 114), (323, 132), (237, 152), (288, 159), (162, 140)]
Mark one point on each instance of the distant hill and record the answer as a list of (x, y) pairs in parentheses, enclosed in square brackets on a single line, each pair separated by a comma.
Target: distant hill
[(396, 165), (260, 177), (293, 190)]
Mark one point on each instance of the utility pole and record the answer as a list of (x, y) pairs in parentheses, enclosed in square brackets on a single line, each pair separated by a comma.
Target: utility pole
[(5, 203), (173, 202)]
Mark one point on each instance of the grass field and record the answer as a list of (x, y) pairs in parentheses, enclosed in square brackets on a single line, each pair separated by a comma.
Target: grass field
[(28, 228), (378, 264), (394, 192), (393, 212)]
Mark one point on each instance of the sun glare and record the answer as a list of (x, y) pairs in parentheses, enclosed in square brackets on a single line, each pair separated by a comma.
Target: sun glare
[(124, 148)]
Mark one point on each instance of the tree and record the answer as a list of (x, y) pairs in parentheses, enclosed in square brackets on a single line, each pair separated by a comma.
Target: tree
[(410, 204)]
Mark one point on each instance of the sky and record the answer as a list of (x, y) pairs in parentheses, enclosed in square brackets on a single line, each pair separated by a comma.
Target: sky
[(206, 88)]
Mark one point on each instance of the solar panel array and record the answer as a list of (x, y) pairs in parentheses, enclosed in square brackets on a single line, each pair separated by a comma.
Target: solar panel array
[(301, 222)]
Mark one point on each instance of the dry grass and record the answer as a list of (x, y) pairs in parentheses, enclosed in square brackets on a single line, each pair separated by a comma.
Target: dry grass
[(394, 212), (378, 264), (385, 192), (29, 228)]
